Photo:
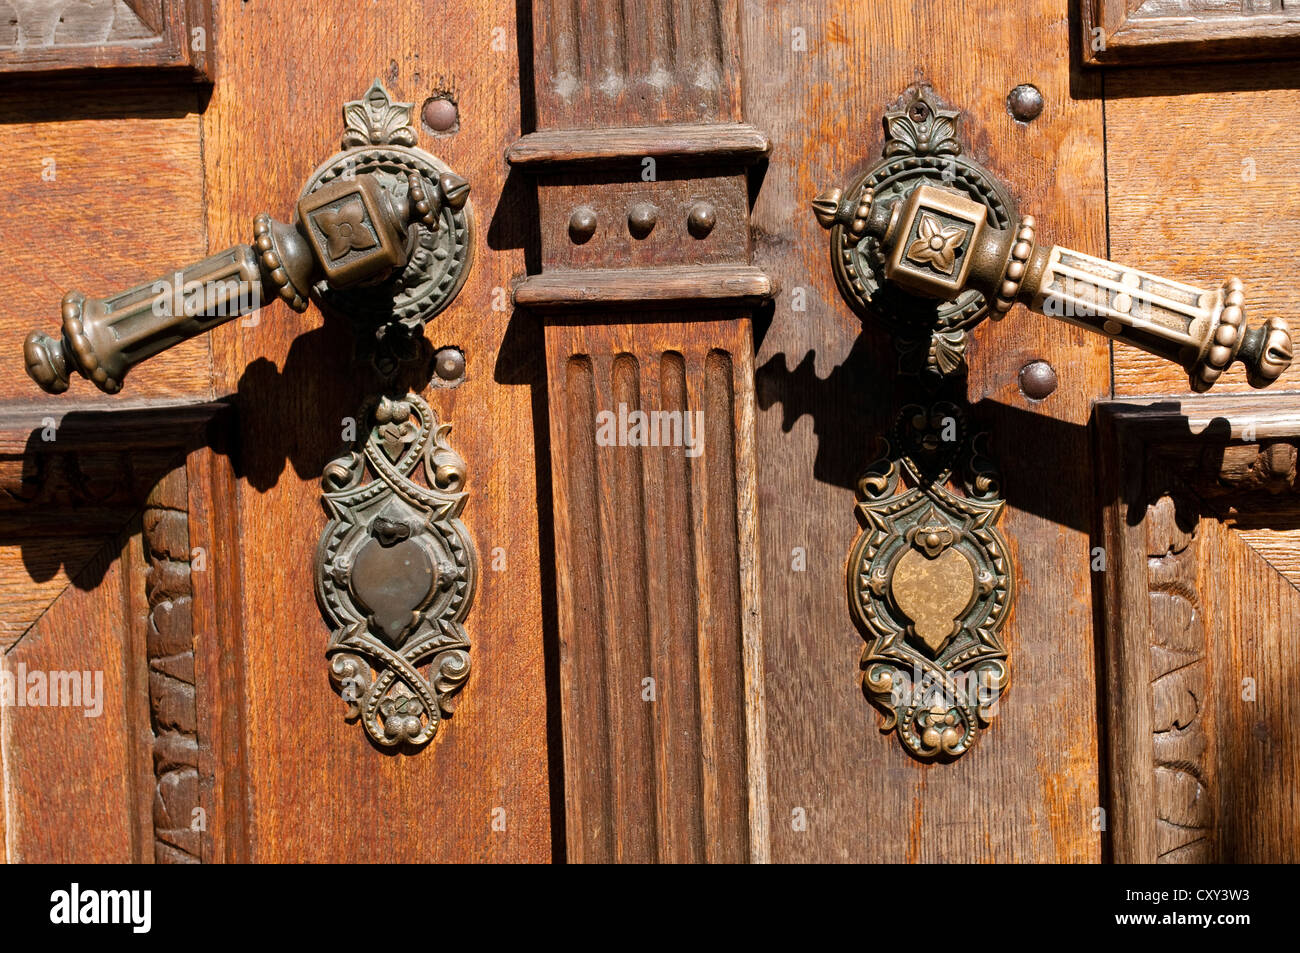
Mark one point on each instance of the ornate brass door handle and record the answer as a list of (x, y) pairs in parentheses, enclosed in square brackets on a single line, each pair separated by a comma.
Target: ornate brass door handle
[(935, 241), (383, 234), (930, 243)]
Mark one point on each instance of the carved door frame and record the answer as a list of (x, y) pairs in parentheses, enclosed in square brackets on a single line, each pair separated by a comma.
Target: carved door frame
[(1176, 741)]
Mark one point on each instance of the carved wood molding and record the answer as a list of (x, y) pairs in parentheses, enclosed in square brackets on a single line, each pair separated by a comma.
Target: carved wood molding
[(169, 641), (567, 289), (1134, 32), (552, 149), (1162, 468), (645, 290), (55, 36)]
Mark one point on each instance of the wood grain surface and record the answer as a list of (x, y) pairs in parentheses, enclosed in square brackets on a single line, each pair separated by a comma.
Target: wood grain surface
[(1126, 733), (1200, 634), (656, 548), (112, 487), (628, 63), (658, 608), (1142, 32), (81, 798), (1254, 633), (108, 36), (825, 384)]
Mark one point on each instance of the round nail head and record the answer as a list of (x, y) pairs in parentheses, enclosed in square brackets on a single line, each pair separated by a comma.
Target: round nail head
[(449, 364), (440, 114), (582, 224), (1025, 102), (641, 219), (701, 219), (1037, 380)]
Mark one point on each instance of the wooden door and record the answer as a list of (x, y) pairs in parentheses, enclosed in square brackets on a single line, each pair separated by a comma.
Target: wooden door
[(1151, 532), (664, 663), (164, 538)]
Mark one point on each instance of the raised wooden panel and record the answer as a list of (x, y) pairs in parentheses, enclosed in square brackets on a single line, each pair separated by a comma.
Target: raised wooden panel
[(69, 482), (50, 36), (658, 607), (1215, 198), (1161, 31), (1254, 622), (100, 193), (1201, 633), (73, 779), (819, 81), (275, 115)]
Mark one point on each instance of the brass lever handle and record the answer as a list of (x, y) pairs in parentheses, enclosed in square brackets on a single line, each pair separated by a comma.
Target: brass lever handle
[(348, 232), (938, 243)]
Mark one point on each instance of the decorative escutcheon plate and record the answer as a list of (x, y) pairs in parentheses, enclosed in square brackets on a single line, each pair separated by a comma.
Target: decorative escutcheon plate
[(379, 142), (921, 146), (930, 584), (395, 574)]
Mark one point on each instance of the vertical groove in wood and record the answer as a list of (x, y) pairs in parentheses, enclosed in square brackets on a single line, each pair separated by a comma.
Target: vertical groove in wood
[(622, 524), (674, 604), (589, 782), (721, 660), (650, 534), (659, 533)]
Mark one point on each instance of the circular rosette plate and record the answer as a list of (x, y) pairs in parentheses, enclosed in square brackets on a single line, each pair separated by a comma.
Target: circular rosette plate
[(858, 261), (440, 258)]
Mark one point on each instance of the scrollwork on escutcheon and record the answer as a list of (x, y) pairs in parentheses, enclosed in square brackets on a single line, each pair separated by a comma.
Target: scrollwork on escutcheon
[(395, 574), (930, 584)]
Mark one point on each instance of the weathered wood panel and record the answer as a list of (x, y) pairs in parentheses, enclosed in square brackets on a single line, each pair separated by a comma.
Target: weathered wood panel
[(658, 607), (115, 483), (1200, 633), (643, 207), (1139, 32), (61, 36)]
